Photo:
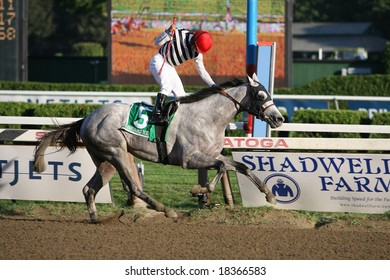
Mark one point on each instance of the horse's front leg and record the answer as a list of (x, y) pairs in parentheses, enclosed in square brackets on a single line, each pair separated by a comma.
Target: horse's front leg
[(243, 169)]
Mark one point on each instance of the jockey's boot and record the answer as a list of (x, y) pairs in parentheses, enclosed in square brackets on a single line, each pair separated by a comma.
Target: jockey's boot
[(158, 116)]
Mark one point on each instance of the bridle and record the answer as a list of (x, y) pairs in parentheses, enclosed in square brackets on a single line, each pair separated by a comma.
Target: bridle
[(261, 114)]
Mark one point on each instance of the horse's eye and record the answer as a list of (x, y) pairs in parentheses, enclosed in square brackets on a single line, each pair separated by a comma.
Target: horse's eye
[(262, 95)]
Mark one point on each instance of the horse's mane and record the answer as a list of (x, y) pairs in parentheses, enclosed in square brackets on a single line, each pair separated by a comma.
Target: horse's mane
[(206, 92)]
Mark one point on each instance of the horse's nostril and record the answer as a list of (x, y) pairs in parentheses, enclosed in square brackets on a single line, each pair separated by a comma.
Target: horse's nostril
[(280, 119)]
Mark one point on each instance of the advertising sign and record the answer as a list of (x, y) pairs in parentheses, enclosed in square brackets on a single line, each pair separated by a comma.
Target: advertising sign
[(324, 182), (68, 97), (63, 180), (371, 107), (290, 106)]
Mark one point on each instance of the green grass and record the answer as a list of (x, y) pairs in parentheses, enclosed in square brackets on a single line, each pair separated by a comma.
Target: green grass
[(171, 185)]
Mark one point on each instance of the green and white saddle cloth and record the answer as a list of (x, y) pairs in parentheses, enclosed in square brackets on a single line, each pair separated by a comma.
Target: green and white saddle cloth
[(138, 121)]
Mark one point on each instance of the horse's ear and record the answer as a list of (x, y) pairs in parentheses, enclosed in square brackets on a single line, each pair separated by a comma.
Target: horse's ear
[(254, 77), (254, 82)]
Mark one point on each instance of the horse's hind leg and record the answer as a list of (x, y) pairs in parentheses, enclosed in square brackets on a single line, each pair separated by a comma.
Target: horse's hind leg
[(102, 176), (130, 196), (152, 202), (123, 166), (133, 200)]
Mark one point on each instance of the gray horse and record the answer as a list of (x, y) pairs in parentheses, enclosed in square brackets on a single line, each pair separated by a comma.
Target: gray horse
[(195, 139)]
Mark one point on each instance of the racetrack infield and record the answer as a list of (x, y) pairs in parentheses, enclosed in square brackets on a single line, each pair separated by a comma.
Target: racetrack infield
[(282, 235)]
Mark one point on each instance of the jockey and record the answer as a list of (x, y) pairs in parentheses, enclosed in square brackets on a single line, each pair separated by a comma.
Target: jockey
[(117, 27), (185, 45)]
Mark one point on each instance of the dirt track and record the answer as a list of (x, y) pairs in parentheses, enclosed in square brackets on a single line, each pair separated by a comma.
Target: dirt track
[(120, 238)]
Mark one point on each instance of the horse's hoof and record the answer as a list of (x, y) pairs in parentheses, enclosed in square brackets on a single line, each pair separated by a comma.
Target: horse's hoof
[(270, 199), (198, 189), (171, 214), (93, 218)]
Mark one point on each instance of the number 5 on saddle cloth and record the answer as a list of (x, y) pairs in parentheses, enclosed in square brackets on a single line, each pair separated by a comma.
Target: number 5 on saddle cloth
[(138, 124)]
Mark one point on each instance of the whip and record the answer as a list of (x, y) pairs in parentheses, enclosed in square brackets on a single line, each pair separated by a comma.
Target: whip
[(169, 47)]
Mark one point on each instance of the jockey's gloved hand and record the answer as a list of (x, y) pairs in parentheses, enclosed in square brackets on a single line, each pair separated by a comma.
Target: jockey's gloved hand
[(172, 28), (216, 87)]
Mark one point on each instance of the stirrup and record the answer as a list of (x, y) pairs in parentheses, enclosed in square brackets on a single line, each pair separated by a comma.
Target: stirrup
[(159, 119)]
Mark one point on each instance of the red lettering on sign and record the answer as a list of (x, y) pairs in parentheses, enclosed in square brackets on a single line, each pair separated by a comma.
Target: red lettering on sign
[(227, 142), (239, 141), (253, 142), (281, 143), (268, 143)]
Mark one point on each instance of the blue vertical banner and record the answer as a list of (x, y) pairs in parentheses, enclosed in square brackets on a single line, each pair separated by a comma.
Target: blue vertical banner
[(251, 48), (265, 74), (251, 37)]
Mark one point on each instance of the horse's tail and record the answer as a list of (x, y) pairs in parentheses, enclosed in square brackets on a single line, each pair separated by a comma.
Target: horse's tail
[(67, 135)]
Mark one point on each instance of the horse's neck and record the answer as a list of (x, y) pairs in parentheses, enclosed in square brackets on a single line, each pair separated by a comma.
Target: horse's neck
[(238, 94), (221, 107)]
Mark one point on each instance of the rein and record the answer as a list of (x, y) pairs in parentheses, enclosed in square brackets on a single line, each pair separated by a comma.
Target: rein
[(224, 93), (247, 109)]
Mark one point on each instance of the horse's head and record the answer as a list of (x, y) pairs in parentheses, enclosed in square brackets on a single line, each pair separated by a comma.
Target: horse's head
[(261, 104)]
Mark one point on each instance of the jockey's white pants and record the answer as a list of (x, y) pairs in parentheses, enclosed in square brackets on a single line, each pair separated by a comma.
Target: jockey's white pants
[(168, 80)]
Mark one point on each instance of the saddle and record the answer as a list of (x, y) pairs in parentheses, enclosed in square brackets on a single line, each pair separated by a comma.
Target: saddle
[(136, 125)]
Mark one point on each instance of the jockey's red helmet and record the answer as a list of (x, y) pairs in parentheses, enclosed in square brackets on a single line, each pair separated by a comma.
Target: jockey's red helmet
[(203, 41)]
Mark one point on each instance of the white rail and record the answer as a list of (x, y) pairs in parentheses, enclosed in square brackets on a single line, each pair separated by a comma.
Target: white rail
[(36, 120), (275, 143), (350, 128), (303, 127), (331, 97), (35, 93), (11, 94)]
